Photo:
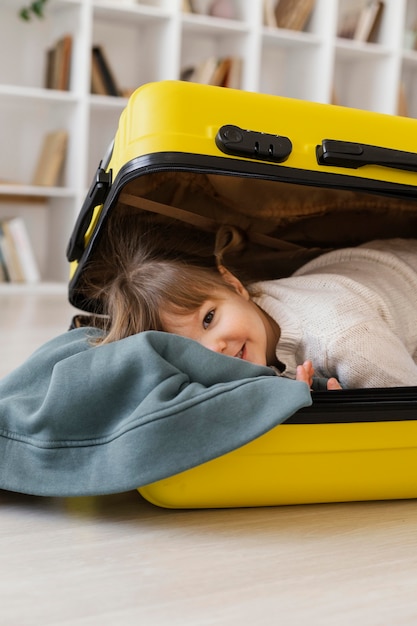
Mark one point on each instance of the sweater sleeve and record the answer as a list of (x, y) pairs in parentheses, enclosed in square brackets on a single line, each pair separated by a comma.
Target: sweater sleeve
[(370, 355)]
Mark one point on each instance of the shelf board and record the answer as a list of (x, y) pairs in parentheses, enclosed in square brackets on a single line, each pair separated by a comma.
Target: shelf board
[(108, 102), (128, 12), (288, 38), (31, 193), (42, 288), (351, 49), (38, 94), (192, 22)]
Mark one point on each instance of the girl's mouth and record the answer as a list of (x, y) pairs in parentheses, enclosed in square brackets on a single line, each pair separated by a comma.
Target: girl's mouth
[(240, 354)]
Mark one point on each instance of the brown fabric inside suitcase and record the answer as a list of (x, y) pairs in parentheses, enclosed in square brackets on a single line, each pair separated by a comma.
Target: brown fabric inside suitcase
[(282, 225)]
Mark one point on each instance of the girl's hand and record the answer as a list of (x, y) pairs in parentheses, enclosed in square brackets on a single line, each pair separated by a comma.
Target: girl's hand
[(333, 383), (305, 373)]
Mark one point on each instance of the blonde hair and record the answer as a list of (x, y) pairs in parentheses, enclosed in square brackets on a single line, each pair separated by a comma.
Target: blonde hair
[(135, 277)]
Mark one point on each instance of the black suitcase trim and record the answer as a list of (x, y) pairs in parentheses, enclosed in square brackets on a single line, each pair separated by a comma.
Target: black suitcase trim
[(203, 164), (347, 406)]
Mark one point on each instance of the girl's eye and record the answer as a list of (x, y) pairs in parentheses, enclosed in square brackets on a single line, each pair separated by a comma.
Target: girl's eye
[(208, 319)]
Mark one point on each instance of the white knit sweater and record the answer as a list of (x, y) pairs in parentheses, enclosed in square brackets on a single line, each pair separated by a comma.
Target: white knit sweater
[(353, 312)]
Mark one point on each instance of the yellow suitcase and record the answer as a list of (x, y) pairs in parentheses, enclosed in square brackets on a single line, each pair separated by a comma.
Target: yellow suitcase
[(298, 178)]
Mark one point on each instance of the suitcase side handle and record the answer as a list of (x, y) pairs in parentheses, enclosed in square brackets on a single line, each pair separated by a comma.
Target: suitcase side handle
[(253, 144), (96, 195), (355, 155)]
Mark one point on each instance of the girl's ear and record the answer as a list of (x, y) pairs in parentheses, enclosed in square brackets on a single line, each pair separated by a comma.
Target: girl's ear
[(232, 280)]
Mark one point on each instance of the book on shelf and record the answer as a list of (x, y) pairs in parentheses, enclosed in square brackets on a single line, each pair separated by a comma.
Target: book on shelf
[(98, 85), (103, 81), (187, 73), (4, 274), (402, 104), (369, 20), (204, 71), (334, 98), (234, 75), (217, 71), (51, 159), (228, 73), (269, 18), (58, 64), (221, 72), (225, 9), (195, 6), (347, 23), (17, 257), (293, 14)]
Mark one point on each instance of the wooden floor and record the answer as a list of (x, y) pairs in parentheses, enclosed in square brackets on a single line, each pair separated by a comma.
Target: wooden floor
[(120, 561)]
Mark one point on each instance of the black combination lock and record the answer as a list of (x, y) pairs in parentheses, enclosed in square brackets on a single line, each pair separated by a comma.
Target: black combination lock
[(253, 144)]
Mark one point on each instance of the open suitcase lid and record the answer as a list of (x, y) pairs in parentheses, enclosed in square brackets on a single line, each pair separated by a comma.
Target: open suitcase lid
[(287, 173)]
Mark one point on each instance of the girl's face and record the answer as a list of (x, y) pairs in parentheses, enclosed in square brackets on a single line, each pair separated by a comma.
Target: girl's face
[(229, 323)]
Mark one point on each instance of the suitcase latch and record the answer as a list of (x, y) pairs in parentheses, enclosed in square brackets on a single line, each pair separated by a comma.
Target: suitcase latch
[(355, 155), (253, 144)]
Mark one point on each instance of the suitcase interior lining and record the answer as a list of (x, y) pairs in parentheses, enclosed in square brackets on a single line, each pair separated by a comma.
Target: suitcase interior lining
[(314, 219)]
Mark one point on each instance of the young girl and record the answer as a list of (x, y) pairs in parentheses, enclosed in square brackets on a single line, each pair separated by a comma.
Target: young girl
[(352, 311), (138, 273)]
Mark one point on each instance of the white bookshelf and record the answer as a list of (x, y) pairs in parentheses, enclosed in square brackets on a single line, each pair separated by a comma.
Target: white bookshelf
[(152, 40)]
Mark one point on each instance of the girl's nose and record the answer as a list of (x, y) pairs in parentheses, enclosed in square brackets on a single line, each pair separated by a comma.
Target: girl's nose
[(219, 345)]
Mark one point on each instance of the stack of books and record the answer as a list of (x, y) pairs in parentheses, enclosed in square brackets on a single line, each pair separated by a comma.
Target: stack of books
[(289, 14), (218, 71), (58, 64), (363, 24), (17, 260)]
